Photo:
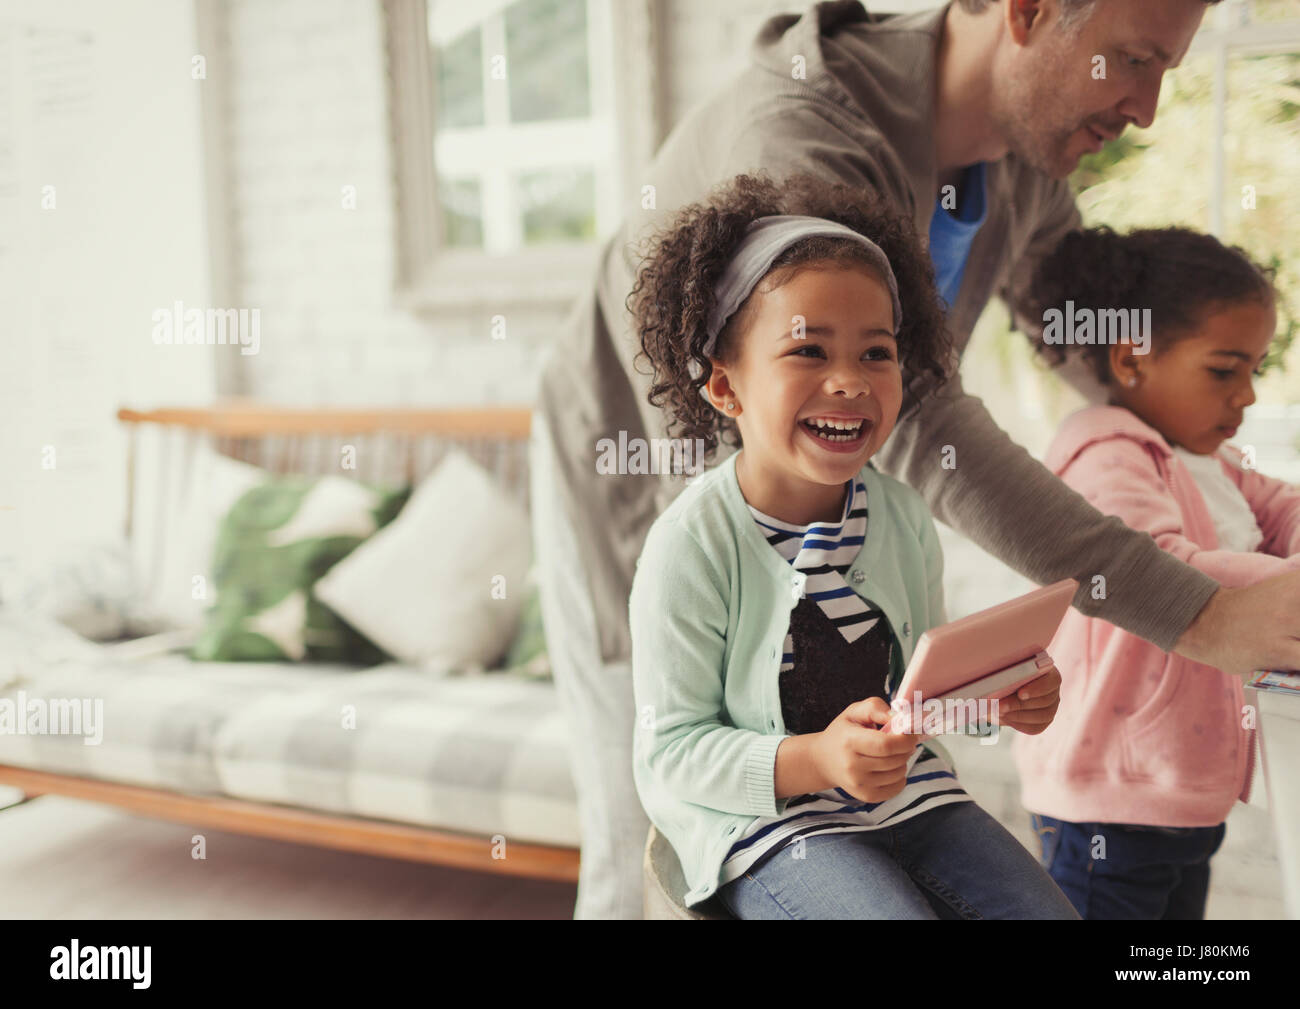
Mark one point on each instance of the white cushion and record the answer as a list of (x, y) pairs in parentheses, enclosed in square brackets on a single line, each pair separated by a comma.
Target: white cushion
[(107, 590), (178, 513), (87, 586), (444, 583)]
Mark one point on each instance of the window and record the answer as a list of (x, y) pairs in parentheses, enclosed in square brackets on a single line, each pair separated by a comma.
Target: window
[(515, 126)]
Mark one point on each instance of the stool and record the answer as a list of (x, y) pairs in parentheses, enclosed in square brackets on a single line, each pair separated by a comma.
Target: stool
[(665, 886)]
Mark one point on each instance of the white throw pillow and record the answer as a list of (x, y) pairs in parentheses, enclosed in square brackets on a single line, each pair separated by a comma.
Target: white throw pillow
[(162, 579), (89, 587), (179, 509), (427, 587)]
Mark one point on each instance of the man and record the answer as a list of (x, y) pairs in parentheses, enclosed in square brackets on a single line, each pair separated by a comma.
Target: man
[(969, 118)]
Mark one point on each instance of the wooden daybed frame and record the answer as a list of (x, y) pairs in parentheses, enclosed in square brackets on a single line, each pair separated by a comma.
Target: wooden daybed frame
[(497, 436)]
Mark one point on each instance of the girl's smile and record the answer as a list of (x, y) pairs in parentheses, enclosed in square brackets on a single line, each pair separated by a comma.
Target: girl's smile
[(838, 432)]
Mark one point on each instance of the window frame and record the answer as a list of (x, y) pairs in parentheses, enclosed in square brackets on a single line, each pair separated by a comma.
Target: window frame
[(428, 276), (1233, 33)]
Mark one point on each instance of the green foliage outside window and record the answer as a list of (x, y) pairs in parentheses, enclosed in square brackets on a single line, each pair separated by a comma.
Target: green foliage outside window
[(1162, 176)]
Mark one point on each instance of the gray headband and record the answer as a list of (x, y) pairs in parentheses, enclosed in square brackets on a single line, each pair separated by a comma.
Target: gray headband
[(765, 239)]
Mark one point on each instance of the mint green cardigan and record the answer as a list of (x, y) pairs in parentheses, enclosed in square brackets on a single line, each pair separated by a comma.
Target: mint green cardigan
[(709, 612)]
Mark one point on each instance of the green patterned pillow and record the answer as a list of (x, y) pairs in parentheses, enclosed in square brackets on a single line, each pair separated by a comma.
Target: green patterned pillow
[(527, 654), (273, 545)]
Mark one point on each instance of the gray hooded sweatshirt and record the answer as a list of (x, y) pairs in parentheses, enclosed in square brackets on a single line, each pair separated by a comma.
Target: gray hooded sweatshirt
[(861, 113)]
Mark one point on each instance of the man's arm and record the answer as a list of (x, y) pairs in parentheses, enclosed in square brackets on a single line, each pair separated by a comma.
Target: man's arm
[(999, 496)]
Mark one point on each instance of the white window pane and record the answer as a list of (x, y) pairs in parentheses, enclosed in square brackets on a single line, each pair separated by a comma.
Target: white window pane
[(546, 60), (558, 205), (461, 201), (459, 66)]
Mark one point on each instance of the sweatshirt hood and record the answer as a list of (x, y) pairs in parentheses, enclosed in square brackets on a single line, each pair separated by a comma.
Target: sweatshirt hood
[(1100, 423), (794, 41), (829, 43)]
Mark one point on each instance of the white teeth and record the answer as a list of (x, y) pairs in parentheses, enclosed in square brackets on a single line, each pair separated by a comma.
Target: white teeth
[(824, 428)]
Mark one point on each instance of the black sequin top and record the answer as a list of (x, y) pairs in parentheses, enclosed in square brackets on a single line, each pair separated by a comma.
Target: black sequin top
[(829, 674)]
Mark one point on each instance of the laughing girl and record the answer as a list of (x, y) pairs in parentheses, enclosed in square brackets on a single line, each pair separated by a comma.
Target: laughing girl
[(778, 598)]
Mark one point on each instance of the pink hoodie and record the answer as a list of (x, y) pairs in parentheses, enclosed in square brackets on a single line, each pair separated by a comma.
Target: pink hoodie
[(1146, 736)]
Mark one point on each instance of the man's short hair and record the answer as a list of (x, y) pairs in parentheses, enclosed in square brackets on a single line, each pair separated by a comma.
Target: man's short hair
[(1073, 12)]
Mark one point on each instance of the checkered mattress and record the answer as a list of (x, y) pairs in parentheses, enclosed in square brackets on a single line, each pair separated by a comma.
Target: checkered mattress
[(484, 754)]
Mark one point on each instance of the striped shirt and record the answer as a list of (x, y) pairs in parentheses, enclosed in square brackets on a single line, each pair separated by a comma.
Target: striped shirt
[(822, 673)]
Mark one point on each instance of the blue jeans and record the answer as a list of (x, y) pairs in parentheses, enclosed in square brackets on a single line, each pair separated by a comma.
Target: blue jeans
[(1113, 871), (955, 861)]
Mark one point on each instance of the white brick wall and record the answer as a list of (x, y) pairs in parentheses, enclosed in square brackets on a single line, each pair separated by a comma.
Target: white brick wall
[(308, 116), (96, 102)]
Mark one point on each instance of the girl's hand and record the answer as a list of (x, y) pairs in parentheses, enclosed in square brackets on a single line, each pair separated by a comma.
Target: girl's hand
[(1032, 708), (867, 762)]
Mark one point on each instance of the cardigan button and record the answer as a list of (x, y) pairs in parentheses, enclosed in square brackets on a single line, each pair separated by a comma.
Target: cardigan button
[(907, 628), (858, 577)]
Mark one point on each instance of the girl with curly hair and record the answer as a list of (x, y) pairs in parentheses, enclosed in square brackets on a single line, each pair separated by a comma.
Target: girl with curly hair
[(1129, 789), (777, 599)]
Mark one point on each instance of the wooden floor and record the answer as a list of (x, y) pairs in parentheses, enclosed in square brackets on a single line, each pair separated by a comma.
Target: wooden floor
[(65, 858), (68, 859)]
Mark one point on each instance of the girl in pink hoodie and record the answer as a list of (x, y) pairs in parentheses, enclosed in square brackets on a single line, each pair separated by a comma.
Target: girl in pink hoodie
[(1129, 787)]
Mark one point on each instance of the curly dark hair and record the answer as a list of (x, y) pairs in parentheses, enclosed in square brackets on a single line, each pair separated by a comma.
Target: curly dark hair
[(673, 294), (1179, 274)]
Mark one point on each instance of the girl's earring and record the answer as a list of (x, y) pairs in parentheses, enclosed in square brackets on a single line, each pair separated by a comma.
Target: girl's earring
[(1132, 380), (731, 406)]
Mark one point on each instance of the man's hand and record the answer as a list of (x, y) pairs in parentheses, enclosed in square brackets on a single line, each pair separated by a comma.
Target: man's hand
[(1244, 629), (1032, 707)]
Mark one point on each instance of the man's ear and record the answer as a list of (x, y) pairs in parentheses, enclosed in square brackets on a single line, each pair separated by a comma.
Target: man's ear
[(1020, 17)]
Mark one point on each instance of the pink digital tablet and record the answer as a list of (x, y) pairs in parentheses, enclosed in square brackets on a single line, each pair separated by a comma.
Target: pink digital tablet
[(988, 654)]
